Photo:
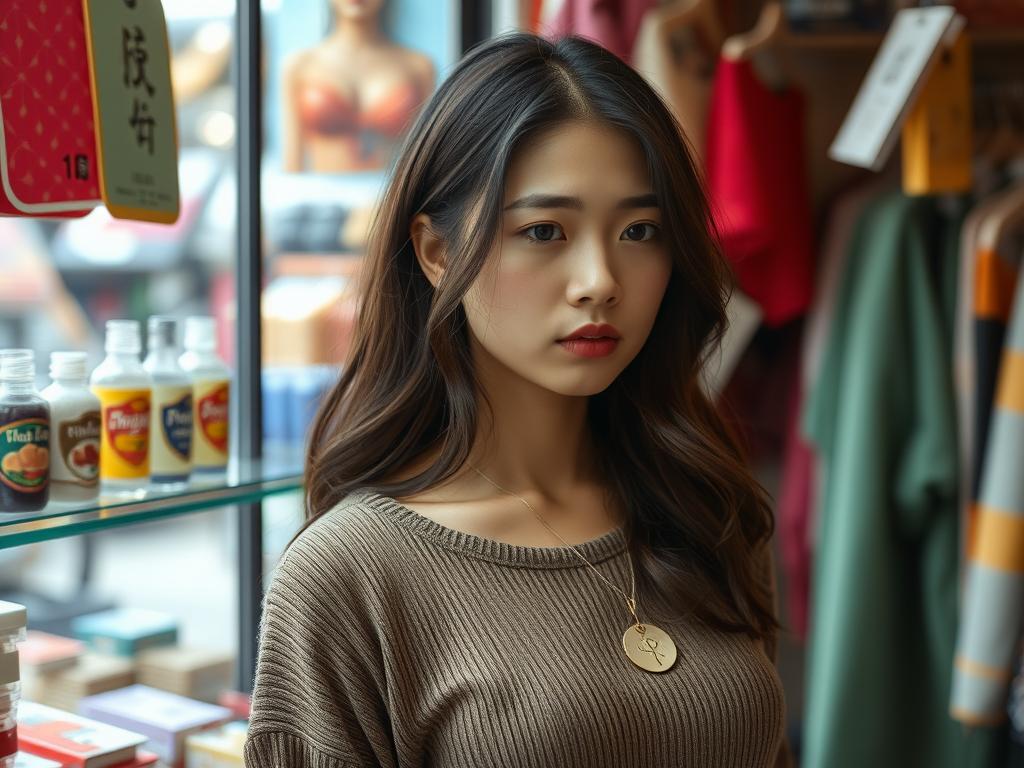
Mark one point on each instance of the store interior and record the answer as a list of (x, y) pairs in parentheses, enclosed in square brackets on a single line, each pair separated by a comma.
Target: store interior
[(866, 178)]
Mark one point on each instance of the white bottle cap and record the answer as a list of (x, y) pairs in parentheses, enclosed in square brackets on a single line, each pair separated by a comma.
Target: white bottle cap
[(200, 334), (123, 336), (163, 332), (17, 365), (68, 365)]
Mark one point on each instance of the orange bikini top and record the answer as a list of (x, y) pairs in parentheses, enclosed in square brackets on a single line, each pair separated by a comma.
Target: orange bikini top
[(323, 109)]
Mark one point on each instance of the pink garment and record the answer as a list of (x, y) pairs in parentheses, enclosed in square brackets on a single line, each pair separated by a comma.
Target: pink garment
[(611, 23), (795, 507)]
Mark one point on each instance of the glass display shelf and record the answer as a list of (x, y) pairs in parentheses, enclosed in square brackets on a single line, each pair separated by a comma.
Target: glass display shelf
[(244, 481)]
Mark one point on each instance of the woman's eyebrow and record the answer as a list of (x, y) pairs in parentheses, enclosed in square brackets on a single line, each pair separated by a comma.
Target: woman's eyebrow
[(649, 200)]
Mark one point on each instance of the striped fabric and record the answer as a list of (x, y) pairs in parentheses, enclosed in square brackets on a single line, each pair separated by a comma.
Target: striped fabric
[(993, 607)]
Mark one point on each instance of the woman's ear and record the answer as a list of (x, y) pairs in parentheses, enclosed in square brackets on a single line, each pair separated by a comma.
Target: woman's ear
[(428, 246)]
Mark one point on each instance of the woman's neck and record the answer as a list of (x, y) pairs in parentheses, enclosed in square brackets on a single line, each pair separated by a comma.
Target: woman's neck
[(356, 33), (531, 438)]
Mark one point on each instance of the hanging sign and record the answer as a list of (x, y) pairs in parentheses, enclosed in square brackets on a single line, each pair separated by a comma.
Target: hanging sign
[(130, 64), (908, 54), (48, 157)]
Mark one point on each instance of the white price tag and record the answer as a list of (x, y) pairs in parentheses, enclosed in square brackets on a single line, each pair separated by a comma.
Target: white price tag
[(910, 49)]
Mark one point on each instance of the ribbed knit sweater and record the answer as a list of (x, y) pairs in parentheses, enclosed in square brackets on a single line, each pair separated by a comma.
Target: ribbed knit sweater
[(389, 639)]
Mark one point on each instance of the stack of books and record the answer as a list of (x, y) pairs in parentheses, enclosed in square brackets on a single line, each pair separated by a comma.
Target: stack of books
[(192, 672), (125, 631), (90, 674), (47, 735), (43, 653), (165, 719)]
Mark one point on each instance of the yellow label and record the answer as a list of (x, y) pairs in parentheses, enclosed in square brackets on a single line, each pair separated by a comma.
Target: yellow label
[(938, 144), (124, 433), (211, 401)]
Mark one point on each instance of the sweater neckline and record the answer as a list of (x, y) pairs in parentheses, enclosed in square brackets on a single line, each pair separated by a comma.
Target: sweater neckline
[(594, 550)]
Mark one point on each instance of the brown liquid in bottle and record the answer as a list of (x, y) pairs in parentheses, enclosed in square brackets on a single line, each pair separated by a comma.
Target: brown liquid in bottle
[(24, 453)]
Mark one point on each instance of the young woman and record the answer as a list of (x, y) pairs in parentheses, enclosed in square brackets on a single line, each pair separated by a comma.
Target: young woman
[(531, 541)]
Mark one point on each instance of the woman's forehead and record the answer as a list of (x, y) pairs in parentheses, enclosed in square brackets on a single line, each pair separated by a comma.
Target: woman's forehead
[(582, 159)]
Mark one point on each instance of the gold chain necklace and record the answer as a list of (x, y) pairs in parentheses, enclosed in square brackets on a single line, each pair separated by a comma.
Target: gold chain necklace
[(646, 645)]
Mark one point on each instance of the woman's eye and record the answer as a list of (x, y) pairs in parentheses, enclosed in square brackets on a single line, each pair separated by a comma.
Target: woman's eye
[(543, 233), (640, 232)]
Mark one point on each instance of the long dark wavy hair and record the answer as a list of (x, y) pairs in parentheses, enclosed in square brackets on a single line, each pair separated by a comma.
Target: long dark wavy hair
[(698, 523)]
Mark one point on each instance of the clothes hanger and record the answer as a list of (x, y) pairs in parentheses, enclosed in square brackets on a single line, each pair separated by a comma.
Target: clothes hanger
[(700, 15), (683, 79), (771, 27), (1006, 216)]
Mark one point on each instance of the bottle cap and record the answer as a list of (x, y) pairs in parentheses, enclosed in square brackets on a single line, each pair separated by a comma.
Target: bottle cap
[(163, 332), (200, 334), (17, 365), (123, 336), (68, 365)]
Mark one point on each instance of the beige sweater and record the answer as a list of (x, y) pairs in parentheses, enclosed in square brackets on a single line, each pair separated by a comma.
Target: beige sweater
[(389, 639)]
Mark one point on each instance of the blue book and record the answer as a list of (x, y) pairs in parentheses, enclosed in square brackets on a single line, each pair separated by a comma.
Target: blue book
[(125, 631)]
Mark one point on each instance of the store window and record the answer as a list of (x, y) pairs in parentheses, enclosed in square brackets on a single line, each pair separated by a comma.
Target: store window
[(343, 82)]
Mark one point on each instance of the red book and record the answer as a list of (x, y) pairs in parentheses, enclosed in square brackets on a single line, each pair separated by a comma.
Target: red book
[(76, 741)]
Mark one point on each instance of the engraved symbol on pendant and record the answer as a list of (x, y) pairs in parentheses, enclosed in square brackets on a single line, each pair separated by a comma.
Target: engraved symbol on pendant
[(651, 648), (652, 651)]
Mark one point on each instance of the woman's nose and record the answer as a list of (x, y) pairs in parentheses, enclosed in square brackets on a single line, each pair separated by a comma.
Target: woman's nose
[(592, 279)]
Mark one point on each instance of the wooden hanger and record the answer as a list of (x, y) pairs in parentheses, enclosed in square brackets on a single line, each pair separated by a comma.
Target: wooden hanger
[(770, 29), (1006, 215), (682, 80), (700, 15)]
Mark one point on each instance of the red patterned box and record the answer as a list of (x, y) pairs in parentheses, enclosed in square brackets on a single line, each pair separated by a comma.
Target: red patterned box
[(48, 163)]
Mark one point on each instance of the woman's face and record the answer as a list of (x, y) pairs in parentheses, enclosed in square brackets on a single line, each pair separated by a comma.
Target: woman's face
[(356, 9), (580, 242)]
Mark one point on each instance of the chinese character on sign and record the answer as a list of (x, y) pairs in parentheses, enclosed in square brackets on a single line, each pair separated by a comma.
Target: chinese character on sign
[(135, 58), (81, 167), (143, 123)]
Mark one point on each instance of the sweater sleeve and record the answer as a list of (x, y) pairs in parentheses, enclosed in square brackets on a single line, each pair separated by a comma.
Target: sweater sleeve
[(319, 697)]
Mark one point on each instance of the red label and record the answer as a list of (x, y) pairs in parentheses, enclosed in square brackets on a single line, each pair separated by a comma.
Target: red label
[(9, 742), (213, 417), (128, 428)]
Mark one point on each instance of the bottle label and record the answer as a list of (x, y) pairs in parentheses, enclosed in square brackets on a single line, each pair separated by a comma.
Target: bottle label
[(124, 452), (211, 418), (79, 443), (172, 427), (25, 454)]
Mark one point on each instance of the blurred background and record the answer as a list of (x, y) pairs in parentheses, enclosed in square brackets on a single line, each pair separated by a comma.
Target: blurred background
[(875, 367)]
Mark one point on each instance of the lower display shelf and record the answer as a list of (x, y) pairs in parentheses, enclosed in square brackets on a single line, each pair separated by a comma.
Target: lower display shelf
[(244, 481)]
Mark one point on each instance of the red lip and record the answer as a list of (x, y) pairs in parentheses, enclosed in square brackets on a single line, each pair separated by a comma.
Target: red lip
[(597, 331)]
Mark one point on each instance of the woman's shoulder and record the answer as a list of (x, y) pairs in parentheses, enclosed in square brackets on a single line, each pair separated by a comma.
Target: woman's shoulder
[(353, 520), (340, 541)]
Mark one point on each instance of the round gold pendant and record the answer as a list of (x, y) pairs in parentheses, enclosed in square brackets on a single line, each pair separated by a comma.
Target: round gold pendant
[(650, 649)]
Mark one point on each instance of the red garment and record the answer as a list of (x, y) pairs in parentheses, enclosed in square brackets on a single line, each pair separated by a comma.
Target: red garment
[(611, 23), (759, 190)]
